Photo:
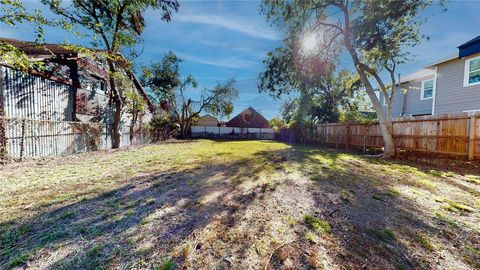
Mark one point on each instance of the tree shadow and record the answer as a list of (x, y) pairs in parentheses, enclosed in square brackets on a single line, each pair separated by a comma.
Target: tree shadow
[(107, 229), (137, 225), (373, 226)]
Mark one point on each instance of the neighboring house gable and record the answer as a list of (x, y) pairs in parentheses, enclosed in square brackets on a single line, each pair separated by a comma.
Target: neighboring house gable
[(414, 95), (451, 85), (207, 120), (249, 118)]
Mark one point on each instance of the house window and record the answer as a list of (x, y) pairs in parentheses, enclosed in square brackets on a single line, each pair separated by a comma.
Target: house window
[(427, 89), (472, 72)]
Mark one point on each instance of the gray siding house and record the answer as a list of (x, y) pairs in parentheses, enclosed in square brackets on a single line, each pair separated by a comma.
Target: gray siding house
[(451, 85)]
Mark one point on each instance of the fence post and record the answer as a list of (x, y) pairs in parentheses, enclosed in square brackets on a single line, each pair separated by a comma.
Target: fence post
[(347, 134), (3, 119), (22, 145), (471, 138)]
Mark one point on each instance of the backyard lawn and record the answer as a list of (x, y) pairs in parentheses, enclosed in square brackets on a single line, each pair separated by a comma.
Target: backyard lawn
[(236, 205)]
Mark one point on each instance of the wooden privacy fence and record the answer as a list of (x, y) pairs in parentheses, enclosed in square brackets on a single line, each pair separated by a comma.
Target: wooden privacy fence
[(21, 138), (451, 134)]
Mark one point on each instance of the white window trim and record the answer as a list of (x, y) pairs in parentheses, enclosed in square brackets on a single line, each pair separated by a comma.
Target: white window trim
[(423, 89), (466, 72)]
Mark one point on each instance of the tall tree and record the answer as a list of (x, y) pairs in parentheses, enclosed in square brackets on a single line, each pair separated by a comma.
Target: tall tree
[(113, 25), (217, 101), (163, 80), (374, 33)]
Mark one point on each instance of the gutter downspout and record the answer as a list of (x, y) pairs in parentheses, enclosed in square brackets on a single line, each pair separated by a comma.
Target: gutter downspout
[(434, 91), (404, 95)]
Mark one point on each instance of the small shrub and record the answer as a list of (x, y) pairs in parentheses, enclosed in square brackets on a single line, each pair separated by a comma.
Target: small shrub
[(377, 197), (321, 226), (385, 234)]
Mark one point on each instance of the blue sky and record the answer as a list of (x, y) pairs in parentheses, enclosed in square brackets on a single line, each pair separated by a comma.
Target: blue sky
[(220, 40)]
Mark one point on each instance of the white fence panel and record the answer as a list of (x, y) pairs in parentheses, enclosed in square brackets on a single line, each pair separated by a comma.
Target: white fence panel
[(232, 132), (42, 138)]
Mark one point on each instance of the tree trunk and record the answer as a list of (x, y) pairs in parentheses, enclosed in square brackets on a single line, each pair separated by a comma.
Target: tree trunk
[(116, 135), (132, 125), (131, 134), (117, 100), (385, 120)]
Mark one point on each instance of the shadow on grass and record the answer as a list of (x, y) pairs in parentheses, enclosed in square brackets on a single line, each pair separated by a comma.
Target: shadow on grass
[(136, 225), (93, 233), (373, 226)]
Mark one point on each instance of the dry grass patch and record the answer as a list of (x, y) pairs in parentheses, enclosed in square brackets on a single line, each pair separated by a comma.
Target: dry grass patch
[(231, 205)]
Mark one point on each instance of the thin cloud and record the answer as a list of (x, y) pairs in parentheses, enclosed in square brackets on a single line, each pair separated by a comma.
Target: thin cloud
[(229, 62), (239, 26)]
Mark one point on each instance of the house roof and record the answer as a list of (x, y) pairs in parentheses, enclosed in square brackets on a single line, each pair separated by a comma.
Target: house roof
[(450, 57), (249, 118), (470, 42), (208, 115), (31, 48), (417, 75), (469, 48)]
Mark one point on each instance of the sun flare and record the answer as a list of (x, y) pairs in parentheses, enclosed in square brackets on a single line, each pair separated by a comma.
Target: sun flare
[(310, 43)]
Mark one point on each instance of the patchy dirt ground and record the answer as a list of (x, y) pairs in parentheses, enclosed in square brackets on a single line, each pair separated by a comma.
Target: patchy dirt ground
[(237, 205)]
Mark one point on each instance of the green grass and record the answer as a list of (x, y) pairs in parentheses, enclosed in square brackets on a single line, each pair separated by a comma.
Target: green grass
[(19, 259), (393, 193), (445, 219), (311, 237), (88, 175), (319, 225), (385, 234), (111, 204), (426, 242)]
